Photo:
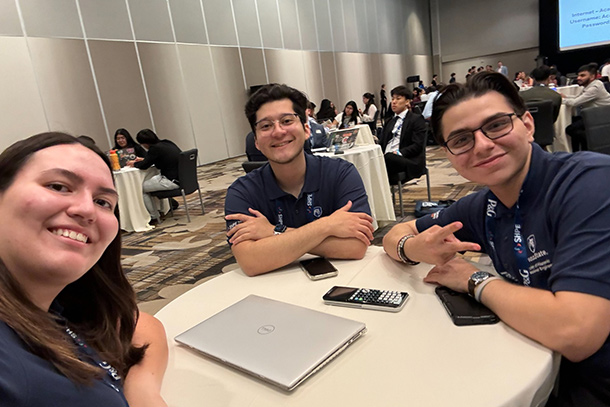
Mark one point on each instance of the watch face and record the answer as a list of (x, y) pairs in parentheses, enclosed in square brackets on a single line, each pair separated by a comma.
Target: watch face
[(480, 276)]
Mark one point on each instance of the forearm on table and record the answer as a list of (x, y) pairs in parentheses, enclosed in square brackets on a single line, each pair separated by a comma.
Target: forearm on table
[(340, 248), (573, 324), (391, 239), (270, 253), (143, 382)]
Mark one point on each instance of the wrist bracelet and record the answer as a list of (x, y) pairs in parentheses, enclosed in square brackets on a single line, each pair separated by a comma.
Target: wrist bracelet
[(479, 289), (401, 251)]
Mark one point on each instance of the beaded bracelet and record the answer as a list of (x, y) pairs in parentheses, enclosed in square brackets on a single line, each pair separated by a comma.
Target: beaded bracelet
[(401, 251)]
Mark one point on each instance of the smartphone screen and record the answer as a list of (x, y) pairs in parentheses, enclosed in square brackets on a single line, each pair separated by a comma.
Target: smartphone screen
[(318, 268)]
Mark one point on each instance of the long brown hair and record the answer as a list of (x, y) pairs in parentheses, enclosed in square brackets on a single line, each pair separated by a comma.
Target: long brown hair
[(100, 306)]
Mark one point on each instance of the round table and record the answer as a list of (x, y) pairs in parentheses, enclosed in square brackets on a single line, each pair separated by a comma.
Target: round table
[(413, 357)]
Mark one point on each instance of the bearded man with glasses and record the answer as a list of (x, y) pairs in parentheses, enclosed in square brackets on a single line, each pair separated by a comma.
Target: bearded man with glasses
[(297, 203), (544, 220)]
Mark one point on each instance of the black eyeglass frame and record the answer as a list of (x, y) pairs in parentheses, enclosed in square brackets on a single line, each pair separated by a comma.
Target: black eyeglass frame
[(512, 126)]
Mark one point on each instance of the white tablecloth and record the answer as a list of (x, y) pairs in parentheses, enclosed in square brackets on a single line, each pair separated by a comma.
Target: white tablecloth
[(562, 140), (368, 160), (134, 216), (415, 357)]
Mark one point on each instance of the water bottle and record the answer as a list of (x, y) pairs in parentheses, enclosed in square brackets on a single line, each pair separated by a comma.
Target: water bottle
[(114, 160)]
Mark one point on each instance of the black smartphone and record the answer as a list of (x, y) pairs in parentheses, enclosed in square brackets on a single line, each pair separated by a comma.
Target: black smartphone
[(463, 309), (381, 300), (318, 268)]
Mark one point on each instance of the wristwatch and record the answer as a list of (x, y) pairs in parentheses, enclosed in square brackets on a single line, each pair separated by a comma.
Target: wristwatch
[(279, 229), (475, 279)]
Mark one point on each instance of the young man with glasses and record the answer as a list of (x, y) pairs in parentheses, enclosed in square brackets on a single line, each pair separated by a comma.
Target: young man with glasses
[(298, 203), (544, 220)]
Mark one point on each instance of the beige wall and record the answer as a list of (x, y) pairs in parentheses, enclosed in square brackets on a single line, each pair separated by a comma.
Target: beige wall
[(184, 67)]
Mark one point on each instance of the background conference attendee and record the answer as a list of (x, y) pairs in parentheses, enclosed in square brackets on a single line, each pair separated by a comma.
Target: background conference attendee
[(544, 220), (383, 100), (349, 117), (299, 203), (403, 137), (164, 155), (593, 94), (369, 111), (502, 69), (70, 331), (319, 137), (122, 140), (327, 111), (541, 90)]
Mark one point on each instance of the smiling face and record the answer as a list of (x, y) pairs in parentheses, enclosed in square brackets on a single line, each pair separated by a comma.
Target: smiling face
[(280, 145), (501, 164), (58, 218), (121, 140)]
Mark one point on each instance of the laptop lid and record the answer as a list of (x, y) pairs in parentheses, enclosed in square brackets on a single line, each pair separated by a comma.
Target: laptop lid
[(344, 139), (277, 342)]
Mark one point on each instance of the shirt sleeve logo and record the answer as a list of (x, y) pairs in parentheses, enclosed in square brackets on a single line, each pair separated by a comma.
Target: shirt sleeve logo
[(317, 211)]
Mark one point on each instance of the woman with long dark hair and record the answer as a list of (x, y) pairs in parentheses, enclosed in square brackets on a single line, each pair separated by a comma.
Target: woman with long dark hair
[(349, 117), (327, 111), (70, 331), (123, 140), (370, 109)]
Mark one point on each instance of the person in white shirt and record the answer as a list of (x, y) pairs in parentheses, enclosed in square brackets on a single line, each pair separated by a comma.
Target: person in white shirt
[(606, 69)]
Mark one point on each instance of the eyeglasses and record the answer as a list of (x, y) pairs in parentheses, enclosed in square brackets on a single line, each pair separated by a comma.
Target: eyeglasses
[(495, 128), (266, 125)]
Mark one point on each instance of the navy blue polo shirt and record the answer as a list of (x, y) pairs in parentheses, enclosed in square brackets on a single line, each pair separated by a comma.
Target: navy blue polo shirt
[(329, 184), (564, 208), (28, 380)]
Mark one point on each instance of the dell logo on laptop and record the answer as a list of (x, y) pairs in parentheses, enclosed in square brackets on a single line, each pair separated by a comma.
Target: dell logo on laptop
[(266, 329)]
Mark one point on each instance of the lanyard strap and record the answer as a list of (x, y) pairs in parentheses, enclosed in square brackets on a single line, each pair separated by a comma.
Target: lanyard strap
[(309, 212), (519, 249)]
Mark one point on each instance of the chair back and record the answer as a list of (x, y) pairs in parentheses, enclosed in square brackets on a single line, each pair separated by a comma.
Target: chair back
[(252, 165), (187, 171), (597, 128), (542, 112)]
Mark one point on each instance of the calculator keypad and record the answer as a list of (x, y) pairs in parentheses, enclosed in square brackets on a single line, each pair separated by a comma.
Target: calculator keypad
[(376, 297)]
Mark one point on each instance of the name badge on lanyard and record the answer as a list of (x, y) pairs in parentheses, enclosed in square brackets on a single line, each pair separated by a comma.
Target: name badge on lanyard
[(518, 243), (309, 204)]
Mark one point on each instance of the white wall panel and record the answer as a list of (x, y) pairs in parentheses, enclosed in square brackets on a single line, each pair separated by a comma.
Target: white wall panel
[(166, 93), (120, 84), (21, 110), (9, 18), (108, 19), (286, 66), (248, 29), (203, 104), (232, 98), (187, 17), (66, 85), (58, 18)]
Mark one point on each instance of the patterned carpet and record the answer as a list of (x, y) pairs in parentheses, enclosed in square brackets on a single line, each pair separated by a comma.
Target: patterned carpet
[(174, 257)]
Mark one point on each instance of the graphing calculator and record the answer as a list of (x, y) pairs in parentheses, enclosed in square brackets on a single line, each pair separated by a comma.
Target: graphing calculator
[(381, 300)]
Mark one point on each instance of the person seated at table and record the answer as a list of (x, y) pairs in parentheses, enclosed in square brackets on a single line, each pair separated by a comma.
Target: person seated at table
[(544, 219), (541, 90), (164, 155), (123, 140), (319, 137), (70, 331), (349, 117), (403, 138), (593, 94), (327, 111), (416, 98), (299, 203), (370, 110)]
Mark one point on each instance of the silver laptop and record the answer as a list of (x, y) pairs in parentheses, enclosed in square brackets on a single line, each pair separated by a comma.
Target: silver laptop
[(344, 139), (280, 343)]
